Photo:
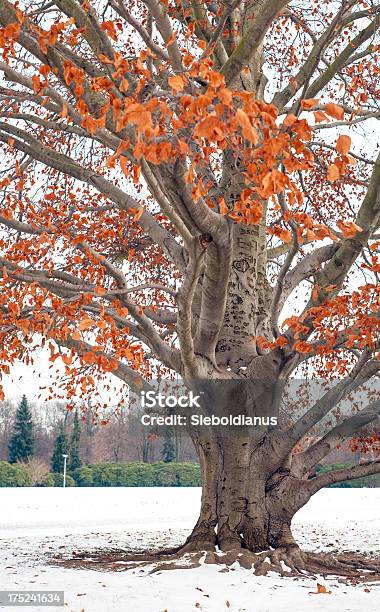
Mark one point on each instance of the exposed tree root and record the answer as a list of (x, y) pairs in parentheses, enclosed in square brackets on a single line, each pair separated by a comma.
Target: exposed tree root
[(286, 561)]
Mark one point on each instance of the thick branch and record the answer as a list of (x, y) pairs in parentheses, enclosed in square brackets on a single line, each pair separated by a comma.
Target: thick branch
[(306, 71), (253, 37), (214, 297), (356, 471), (338, 63), (184, 317), (121, 10), (367, 219), (359, 375), (131, 377), (23, 141), (303, 462), (305, 268)]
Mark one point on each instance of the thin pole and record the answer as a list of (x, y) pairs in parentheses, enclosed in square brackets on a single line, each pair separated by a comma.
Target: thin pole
[(64, 470)]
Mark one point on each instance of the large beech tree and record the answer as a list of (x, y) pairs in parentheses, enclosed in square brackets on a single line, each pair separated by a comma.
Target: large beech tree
[(173, 172)]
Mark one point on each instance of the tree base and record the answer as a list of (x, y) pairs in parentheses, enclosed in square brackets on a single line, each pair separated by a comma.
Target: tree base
[(288, 561)]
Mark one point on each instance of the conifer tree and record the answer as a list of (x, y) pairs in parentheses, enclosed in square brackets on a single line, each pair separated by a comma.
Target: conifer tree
[(75, 461), (168, 449), (21, 443), (60, 448)]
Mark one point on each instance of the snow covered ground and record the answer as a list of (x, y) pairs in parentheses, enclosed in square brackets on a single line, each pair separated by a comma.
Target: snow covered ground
[(38, 523)]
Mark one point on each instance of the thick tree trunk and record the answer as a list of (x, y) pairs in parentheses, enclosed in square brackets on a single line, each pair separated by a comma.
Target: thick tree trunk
[(247, 501)]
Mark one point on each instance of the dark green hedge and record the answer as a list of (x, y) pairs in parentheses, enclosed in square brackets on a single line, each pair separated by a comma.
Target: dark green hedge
[(13, 475), (132, 474), (138, 474), (58, 480)]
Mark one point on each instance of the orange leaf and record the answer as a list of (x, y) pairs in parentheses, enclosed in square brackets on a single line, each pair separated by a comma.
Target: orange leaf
[(285, 235), (289, 120), (86, 323), (349, 229), (303, 347), (247, 129), (36, 83), (321, 590), (183, 147), (274, 182), (309, 103), (320, 116), (281, 341), (210, 127), (334, 110), (333, 173), (64, 110), (138, 214), (89, 357), (124, 165), (225, 96), (222, 207), (177, 83), (343, 144), (171, 40), (124, 85)]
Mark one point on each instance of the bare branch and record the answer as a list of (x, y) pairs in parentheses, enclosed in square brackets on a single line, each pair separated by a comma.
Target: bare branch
[(305, 268), (253, 37), (302, 463), (342, 59), (28, 144), (184, 319), (132, 378), (317, 143), (356, 471), (360, 374), (121, 10), (165, 28), (213, 298)]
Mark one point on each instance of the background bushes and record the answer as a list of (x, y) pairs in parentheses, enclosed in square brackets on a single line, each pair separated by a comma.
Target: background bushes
[(58, 480), (19, 475), (13, 475), (132, 474), (83, 477), (137, 474)]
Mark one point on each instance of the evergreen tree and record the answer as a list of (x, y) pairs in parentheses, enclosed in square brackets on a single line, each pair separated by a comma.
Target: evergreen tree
[(61, 447), (75, 461), (168, 449), (21, 443)]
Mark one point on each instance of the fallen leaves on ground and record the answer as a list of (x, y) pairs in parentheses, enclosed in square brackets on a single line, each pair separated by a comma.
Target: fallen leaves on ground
[(321, 590)]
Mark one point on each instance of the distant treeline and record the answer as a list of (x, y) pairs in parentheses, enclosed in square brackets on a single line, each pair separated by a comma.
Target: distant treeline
[(44, 432)]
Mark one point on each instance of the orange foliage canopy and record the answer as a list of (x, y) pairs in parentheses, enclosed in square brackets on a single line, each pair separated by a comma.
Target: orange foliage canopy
[(102, 132)]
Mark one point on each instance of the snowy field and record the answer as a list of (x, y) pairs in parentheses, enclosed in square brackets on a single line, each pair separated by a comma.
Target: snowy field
[(38, 523)]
